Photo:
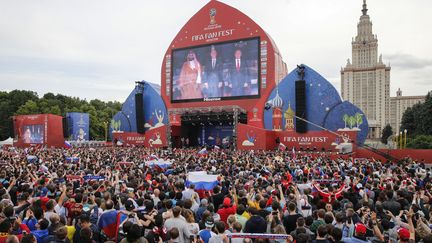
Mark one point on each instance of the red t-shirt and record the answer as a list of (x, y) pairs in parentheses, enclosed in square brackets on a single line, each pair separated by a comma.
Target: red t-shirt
[(225, 212), (74, 209)]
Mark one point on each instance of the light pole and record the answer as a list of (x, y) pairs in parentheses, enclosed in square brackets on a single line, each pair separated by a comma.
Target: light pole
[(400, 140), (405, 133)]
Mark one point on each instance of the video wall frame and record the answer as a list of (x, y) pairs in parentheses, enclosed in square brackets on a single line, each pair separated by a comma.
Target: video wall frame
[(236, 73)]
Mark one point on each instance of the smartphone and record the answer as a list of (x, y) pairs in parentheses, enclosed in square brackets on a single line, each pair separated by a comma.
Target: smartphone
[(192, 238)]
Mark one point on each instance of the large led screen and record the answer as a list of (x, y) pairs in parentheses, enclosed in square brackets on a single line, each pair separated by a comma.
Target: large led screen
[(33, 134), (228, 70)]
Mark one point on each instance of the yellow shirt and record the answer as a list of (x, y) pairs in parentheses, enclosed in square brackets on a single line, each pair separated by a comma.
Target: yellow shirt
[(253, 204), (70, 232), (246, 215)]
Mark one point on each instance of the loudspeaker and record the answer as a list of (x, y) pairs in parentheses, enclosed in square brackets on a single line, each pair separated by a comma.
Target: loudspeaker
[(139, 111), (300, 97), (65, 127)]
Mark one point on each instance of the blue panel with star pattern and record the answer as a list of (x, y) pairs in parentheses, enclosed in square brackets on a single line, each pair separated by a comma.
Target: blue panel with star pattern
[(155, 112), (321, 99)]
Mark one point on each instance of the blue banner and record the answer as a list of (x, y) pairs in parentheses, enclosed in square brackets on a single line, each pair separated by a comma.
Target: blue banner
[(217, 135), (93, 177), (78, 126)]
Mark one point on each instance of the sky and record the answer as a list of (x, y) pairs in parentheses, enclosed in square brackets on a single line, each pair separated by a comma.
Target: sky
[(97, 49)]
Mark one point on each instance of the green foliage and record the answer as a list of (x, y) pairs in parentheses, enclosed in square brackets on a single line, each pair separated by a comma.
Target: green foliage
[(19, 102), (420, 142), (9, 104), (359, 119), (417, 120), (345, 118), (351, 121), (386, 133)]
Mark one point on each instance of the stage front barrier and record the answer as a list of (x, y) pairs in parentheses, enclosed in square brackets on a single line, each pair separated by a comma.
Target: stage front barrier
[(152, 138), (257, 236), (253, 138), (250, 137)]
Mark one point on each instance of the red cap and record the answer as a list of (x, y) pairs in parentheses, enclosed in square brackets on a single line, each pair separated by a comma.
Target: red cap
[(227, 202), (360, 228), (404, 234)]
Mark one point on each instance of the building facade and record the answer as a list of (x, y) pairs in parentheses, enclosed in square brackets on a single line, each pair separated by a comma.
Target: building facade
[(366, 80), (398, 105)]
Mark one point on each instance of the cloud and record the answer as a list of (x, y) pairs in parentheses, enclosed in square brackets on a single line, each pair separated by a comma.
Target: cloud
[(408, 61)]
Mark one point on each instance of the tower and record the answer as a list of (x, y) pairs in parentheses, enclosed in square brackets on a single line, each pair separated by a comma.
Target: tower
[(277, 104), (365, 80), (289, 118)]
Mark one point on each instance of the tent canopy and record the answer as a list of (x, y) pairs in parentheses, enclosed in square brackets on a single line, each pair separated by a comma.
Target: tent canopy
[(8, 141)]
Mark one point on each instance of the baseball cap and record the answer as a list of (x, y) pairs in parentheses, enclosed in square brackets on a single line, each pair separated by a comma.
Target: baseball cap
[(404, 234), (209, 222), (129, 205), (360, 229)]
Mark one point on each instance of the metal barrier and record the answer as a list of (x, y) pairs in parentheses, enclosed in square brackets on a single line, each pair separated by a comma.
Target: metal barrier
[(257, 236)]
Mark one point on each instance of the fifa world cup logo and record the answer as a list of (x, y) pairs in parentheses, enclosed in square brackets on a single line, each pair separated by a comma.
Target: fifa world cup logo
[(213, 16)]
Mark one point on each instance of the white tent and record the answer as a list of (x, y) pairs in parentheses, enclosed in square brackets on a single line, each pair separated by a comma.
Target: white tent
[(8, 141)]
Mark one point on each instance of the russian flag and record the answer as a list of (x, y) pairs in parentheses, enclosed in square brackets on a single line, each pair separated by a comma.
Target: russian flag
[(203, 152), (67, 145), (282, 146), (152, 157), (32, 159), (109, 222), (160, 163), (202, 180)]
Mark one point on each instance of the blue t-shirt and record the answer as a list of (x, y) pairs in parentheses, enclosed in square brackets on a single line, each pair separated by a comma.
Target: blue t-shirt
[(205, 235)]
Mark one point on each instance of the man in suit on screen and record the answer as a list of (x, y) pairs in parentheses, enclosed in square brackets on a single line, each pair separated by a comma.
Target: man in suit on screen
[(239, 80), (213, 84)]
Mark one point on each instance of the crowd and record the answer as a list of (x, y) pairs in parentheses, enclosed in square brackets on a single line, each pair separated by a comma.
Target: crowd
[(110, 194)]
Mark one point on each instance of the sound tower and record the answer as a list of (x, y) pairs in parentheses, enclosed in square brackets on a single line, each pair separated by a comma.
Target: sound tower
[(139, 111), (65, 127), (300, 97)]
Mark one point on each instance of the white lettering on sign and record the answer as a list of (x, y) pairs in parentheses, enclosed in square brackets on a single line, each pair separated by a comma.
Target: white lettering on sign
[(213, 35)]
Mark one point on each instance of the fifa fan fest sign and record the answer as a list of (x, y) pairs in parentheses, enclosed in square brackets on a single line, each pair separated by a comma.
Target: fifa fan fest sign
[(153, 138), (212, 36)]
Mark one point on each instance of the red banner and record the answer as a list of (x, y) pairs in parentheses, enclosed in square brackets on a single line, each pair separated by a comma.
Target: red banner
[(153, 138), (250, 137)]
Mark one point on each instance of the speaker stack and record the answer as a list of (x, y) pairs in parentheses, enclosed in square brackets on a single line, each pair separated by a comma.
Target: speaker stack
[(300, 97), (139, 111)]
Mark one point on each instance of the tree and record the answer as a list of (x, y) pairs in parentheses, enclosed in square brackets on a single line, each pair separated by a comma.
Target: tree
[(417, 120), (359, 119), (351, 121), (421, 142), (19, 102), (386, 133), (9, 104), (345, 118), (29, 108)]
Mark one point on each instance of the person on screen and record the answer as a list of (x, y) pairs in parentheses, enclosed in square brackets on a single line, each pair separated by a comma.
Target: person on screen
[(213, 78), (238, 83), (27, 136), (189, 81)]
